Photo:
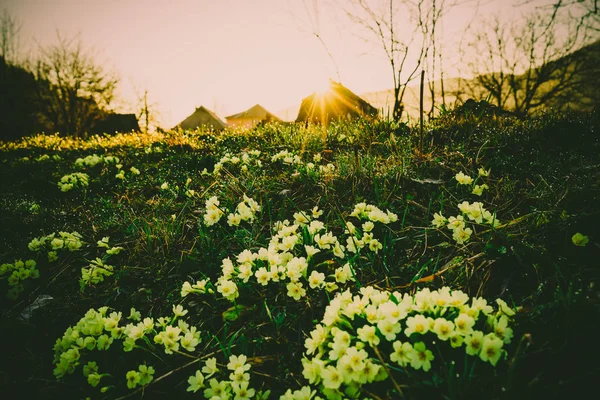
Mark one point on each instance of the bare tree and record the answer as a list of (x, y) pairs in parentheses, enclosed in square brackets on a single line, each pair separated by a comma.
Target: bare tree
[(10, 29), (430, 19), (524, 65), (72, 88), (585, 12), (147, 114), (313, 14), (404, 49)]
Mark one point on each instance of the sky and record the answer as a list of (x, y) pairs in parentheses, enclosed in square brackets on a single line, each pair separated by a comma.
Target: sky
[(226, 55)]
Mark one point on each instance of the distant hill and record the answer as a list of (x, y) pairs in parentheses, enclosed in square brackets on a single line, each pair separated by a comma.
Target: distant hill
[(584, 96)]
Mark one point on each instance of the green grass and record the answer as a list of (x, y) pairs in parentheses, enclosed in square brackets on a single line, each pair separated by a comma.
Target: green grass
[(543, 187)]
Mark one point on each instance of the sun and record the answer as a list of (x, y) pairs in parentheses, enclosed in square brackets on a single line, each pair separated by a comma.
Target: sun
[(322, 87)]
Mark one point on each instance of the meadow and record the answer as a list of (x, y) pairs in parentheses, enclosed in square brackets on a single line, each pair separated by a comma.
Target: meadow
[(302, 262)]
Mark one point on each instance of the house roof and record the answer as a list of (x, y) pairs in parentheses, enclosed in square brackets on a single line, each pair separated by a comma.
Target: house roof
[(337, 103), (254, 112), (114, 122), (202, 117)]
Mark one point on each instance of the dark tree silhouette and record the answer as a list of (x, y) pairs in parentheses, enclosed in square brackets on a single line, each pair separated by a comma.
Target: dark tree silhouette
[(73, 90)]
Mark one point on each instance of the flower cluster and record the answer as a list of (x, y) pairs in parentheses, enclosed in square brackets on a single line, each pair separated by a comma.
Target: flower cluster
[(245, 211), (213, 213), (238, 385), (172, 338), (245, 160), (327, 169), (286, 157), (103, 243), (463, 179), (474, 212), (580, 240), (363, 237), (121, 174), (200, 287), (151, 149), (142, 376), (98, 330), (56, 242), (18, 272), (94, 159), (94, 273), (288, 259), (372, 213), (74, 180), (360, 335)]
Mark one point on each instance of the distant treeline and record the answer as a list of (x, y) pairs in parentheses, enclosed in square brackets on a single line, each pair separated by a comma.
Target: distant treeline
[(19, 106), (30, 104)]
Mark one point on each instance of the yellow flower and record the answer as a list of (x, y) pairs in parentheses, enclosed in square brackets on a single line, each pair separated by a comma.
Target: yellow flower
[(403, 353), (478, 189), (332, 378), (504, 308), (443, 328), (134, 315), (491, 349), (456, 341), (416, 324), (391, 311), (241, 390), (228, 289), (295, 290), (196, 382), (316, 279), (217, 389), (461, 235), (375, 245), (179, 311), (389, 329), (368, 226), (457, 222), (236, 362), (368, 334), (262, 276), (580, 240), (312, 369), (464, 324), (473, 343), (210, 367), (483, 172), (133, 378), (438, 220), (421, 357), (164, 186), (146, 374), (463, 179), (186, 289), (502, 330)]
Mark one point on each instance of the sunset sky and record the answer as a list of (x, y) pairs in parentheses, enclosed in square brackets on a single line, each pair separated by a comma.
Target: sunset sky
[(226, 55)]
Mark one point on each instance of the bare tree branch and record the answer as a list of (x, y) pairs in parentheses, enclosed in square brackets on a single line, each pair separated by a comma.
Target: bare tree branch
[(73, 89), (10, 29)]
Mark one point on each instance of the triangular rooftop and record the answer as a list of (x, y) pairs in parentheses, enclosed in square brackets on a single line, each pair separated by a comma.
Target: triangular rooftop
[(255, 112), (202, 117)]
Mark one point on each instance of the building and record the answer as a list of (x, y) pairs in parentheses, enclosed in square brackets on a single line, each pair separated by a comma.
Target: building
[(251, 117), (338, 102), (203, 119)]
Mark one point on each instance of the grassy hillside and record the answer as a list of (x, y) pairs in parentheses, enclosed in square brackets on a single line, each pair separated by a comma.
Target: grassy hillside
[(322, 263), (581, 96)]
